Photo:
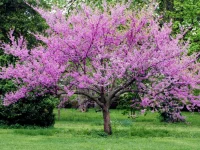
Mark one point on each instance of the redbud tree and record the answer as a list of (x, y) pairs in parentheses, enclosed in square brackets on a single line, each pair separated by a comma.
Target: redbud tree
[(102, 54)]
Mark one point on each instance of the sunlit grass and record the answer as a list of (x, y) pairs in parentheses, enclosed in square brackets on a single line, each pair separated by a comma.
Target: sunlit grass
[(84, 131)]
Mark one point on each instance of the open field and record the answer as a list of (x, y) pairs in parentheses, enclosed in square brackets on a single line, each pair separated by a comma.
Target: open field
[(83, 131)]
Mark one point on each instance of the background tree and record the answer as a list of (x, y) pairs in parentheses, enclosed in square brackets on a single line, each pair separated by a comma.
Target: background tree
[(184, 14), (24, 20), (102, 54)]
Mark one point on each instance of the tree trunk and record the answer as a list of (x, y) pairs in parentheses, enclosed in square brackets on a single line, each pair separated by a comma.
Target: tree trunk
[(106, 119)]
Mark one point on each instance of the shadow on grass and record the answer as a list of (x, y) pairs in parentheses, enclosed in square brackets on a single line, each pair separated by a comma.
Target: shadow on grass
[(60, 132), (36, 132)]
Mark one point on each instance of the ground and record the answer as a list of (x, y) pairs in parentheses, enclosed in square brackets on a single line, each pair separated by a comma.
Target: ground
[(84, 131)]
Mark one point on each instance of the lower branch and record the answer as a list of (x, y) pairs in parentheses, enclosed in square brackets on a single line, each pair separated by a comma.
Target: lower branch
[(90, 97)]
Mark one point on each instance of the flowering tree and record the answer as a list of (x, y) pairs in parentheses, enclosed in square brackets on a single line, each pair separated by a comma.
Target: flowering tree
[(101, 54)]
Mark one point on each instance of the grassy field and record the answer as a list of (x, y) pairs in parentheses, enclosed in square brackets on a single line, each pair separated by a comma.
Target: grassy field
[(83, 131)]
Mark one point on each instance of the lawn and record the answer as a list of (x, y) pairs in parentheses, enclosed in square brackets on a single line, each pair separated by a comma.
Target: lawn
[(83, 131)]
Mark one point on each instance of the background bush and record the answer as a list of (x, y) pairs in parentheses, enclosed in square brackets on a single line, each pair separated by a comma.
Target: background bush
[(32, 111)]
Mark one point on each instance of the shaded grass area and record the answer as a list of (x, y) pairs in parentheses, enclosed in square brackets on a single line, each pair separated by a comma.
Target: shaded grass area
[(84, 131)]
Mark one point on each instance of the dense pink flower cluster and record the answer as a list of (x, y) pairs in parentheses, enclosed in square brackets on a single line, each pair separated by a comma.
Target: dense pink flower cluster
[(102, 54)]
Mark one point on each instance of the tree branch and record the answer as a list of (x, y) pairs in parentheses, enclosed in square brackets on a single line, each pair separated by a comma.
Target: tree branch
[(114, 92), (125, 91), (89, 96)]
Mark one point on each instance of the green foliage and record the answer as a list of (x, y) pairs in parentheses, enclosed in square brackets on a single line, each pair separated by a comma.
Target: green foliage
[(126, 101), (23, 19), (197, 92), (184, 14), (7, 85), (33, 111)]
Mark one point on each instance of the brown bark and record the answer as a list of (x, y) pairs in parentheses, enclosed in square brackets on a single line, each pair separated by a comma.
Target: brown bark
[(106, 118)]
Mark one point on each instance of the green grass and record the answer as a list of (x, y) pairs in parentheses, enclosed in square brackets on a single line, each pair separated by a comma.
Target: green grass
[(84, 131)]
